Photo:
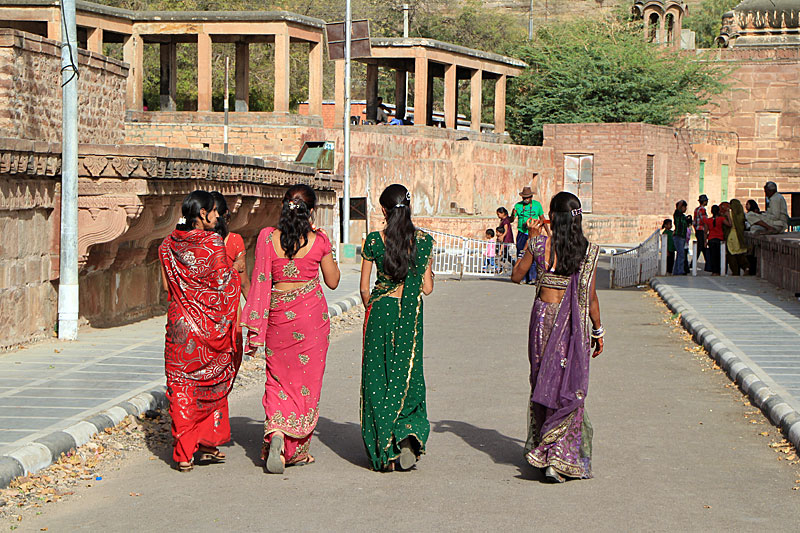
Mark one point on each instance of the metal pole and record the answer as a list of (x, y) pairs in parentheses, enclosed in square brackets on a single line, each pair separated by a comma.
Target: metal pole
[(348, 30), (226, 105), (405, 36), (664, 247), (68, 275), (530, 22), (695, 257)]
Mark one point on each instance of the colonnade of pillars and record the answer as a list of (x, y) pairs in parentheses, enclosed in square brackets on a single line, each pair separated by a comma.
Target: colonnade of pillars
[(133, 53), (423, 94)]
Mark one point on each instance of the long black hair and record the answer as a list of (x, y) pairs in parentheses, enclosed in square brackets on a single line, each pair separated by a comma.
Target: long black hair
[(190, 209), (399, 234), (295, 221), (224, 213), (569, 243)]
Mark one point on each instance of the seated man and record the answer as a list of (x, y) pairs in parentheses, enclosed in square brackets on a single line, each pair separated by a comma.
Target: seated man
[(775, 219), (383, 112)]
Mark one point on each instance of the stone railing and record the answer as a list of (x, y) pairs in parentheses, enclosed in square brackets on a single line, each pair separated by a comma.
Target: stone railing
[(778, 259), (129, 200)]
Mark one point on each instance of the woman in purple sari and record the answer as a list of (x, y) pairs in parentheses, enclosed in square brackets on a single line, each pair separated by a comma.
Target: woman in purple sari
[(565, 331)]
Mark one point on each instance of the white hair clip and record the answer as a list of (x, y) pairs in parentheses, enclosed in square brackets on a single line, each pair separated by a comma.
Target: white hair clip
[(181, 220), (576, 212), (294, 204), (408, 195)]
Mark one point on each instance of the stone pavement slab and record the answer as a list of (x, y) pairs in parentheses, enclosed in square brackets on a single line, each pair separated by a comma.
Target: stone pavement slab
[(52, 385), (753, 329)]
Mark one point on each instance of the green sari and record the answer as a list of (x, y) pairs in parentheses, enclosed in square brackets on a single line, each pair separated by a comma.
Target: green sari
[(392, 381)]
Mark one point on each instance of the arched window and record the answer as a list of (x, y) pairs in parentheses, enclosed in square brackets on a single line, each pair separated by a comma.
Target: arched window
[(652, 27)]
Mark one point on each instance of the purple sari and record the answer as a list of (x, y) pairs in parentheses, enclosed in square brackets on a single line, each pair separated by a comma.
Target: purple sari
[(559, 432)]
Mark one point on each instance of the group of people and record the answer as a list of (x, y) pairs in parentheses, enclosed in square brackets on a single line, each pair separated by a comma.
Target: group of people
[(286, 315), (727, 226), (501, 238)]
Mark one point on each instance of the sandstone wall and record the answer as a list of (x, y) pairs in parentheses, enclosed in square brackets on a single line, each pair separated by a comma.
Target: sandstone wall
[(268, 135), (27, 296), (763, 108), (620, 160), (30, 91), (779, 259)]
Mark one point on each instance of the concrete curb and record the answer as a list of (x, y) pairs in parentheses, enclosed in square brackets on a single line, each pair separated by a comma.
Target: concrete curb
[(773, 405), (43, 452), (344, 304)]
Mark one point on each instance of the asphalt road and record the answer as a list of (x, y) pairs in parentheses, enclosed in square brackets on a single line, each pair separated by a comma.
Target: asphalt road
[(672, 449)]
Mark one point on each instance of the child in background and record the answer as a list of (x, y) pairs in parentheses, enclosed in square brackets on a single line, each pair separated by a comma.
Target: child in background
[(505, 255), (490, 252), (666, 229)]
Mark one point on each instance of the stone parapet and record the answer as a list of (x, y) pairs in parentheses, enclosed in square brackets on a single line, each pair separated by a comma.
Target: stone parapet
[(30, 81), (778, 259), (129, 200)]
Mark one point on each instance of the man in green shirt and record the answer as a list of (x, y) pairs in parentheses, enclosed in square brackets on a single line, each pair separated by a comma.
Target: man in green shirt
[(526, 209)]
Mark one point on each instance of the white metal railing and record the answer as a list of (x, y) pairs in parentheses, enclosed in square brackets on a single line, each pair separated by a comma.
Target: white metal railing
[(637, 265), (460, 256)]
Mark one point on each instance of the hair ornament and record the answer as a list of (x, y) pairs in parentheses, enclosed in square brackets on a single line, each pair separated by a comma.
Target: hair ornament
[(182, 220), (576, 212), (294, 203), (408, 196), (400, 205)]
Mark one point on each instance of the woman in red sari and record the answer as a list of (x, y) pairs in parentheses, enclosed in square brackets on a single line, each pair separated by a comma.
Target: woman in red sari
[(204, 291), (287, 314)]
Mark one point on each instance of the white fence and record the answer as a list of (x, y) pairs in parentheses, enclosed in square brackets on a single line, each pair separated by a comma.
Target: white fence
[(459, 256), (637, 265)]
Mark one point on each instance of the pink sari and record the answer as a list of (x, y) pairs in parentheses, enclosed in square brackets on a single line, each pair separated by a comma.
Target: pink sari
[(294, 329)]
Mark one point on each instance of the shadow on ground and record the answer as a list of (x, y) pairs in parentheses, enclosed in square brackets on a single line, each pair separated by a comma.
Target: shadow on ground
[(344, 439), (249, 435)]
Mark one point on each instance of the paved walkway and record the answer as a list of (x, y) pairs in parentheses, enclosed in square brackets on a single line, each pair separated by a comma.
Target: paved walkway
[(672, 451), (51, 385), (754, 319)]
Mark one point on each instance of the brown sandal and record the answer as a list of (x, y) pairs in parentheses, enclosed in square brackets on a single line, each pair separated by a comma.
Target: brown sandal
[(211, 455), (184, 467)]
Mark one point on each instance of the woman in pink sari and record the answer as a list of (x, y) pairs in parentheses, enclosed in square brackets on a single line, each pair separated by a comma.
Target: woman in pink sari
[(287, 314)]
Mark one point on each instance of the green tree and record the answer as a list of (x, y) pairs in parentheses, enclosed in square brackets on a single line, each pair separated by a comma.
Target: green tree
[(603, 71)]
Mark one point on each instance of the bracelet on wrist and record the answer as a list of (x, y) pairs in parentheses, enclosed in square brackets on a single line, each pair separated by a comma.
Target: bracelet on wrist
[(598, 333)]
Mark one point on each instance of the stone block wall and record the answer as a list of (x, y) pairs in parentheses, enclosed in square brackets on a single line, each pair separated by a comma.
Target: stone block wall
[(620, 160), (779, 259), (30, 91), (763, 108), (276, 136), (27, 295)]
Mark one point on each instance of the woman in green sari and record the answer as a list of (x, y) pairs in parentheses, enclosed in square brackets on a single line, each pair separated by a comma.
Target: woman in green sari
[(394, 420)]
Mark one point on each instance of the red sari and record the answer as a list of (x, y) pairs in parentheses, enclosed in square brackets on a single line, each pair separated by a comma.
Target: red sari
[(204, 292)]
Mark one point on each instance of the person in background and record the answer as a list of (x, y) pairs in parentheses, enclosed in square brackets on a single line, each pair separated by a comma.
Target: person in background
[(502, 246), (699, 223), (734, 241), (505, 222), (775, 219), (716, 235), (394, 416), (682, 222), (523, 211), (489, 264), (383, 112), (666, 229), (204, 291), (751, 211), (287, 314)]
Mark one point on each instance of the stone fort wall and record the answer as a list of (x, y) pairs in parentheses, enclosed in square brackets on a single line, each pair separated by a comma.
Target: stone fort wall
[(30, 91)]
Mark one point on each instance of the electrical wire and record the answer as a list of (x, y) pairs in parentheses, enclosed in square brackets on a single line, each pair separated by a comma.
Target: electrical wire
[(65, 38)]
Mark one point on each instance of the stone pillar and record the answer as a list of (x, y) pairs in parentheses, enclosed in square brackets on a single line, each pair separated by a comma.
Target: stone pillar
[(242, 78), (203, 72), (282, 72), (662, 33), (677, 28), (169, 75), (338, 93), (421, 91), (500, 104), (54, 25), (94, 40), (133, 54), (400, 95), (315, 79), (450, 96), (476, 99), (372, 92)]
